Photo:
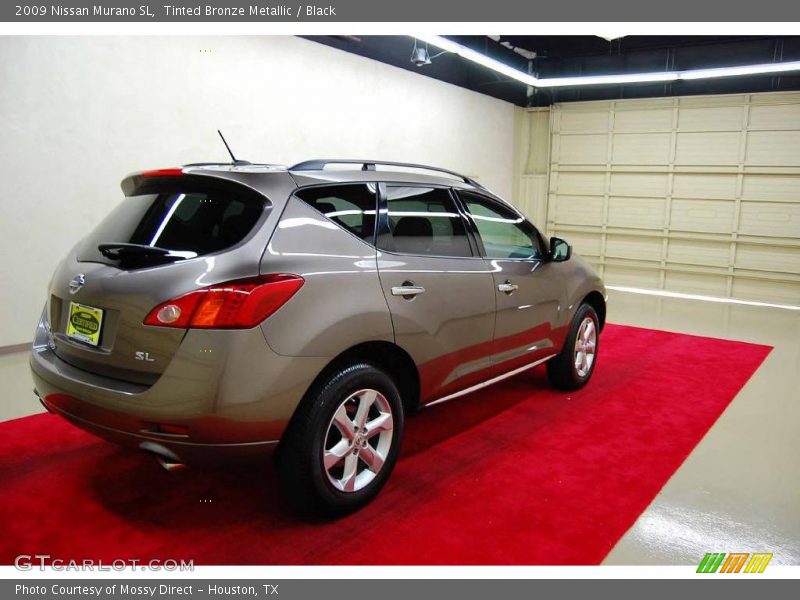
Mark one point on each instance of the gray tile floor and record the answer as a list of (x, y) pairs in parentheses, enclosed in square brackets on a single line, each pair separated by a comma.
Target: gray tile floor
[(738, 491)]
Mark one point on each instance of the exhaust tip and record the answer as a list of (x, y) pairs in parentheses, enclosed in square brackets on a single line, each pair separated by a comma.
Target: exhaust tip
[(168, 465), (168, 460)]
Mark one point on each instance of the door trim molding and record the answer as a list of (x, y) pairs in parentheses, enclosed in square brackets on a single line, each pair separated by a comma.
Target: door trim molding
[(491, 381)]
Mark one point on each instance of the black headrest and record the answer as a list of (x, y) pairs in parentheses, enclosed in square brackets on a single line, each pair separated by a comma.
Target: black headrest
[(413, 227)]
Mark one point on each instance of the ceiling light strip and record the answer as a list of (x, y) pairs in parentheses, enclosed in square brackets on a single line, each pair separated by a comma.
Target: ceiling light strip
[(477, 57), (622, 78)]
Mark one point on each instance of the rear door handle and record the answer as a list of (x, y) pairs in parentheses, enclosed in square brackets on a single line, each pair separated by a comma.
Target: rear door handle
[(507, 287), (407, 290)]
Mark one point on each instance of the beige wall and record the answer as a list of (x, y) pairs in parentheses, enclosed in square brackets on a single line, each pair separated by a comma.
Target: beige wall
[(693, 194), (78, 113)]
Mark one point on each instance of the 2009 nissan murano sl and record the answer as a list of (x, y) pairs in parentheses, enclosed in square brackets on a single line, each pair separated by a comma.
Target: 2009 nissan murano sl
[(241, 310)]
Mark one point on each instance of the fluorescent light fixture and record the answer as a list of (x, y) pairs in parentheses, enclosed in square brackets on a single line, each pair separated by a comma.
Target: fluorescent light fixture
[(657, 76), (743, 70), (608, 79), (477, 57)]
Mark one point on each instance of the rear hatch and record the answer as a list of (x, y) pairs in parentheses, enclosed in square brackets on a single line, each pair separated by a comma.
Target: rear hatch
[(172, 234)]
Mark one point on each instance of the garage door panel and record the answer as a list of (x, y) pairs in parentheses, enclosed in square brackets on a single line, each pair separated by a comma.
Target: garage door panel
[(715, 101), (580, 183), (585, 244), (646, 213), (698, 252), (582, 149), (581, 120), (579, 210), (707, 148), (643, 120), (774, 99), (767, 291), (768, 257), (775, 148), (638, 184), (699, 194), (631, 276), (635, 247), (707, 216), (640, 148), (779, 117), (771, 187), (773, 219), (699, 185), (710, 119), (696, 283)]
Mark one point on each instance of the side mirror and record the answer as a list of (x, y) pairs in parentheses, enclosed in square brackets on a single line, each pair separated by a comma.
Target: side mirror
[(559, 250)]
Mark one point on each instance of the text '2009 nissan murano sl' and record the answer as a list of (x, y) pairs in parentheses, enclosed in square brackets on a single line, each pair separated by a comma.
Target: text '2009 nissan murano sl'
[(229, 311)]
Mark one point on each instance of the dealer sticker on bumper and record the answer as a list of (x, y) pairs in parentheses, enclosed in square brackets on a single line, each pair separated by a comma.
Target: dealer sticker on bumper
[(84, 323)]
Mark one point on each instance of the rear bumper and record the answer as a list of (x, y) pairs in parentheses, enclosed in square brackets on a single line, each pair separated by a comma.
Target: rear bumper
[(170, 447), (224, 396)]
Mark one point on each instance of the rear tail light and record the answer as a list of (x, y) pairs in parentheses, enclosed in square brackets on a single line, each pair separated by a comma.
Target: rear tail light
[(239, 304)]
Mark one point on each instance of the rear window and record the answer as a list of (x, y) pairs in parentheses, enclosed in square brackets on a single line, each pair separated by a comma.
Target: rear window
[(191, 223)]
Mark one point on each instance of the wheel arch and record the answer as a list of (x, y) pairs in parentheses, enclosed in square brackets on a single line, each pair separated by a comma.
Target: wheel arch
[(388, 357), (597, 302)]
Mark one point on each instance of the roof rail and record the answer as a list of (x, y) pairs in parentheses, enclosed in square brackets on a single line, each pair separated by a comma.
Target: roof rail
[(369, 165)]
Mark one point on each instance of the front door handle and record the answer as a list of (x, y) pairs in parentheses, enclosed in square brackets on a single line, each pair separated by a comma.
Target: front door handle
[(507, 287), (408, 291)]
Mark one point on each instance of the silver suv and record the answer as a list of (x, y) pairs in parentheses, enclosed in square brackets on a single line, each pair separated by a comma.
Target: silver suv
[(237, 310)]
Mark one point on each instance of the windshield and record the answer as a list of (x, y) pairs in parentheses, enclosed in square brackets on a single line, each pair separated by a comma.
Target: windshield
[(156, 228)]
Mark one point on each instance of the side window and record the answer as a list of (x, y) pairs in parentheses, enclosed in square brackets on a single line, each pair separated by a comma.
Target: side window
[(504, 233), (351, 206), (424, 221)]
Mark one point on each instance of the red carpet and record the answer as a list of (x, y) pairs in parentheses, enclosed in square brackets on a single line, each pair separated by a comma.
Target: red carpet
[(515, 474)]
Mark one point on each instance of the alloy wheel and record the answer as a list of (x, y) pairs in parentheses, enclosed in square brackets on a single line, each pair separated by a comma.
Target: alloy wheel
[(585, 345), (358, 440)]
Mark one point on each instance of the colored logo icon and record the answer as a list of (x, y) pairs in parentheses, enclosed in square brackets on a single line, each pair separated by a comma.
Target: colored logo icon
[(734, 562)]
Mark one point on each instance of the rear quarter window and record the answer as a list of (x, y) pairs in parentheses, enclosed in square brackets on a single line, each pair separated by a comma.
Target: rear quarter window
[(351, 206)]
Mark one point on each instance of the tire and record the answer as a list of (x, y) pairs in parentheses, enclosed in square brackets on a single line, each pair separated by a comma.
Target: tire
[(327, 467), (571, 370)]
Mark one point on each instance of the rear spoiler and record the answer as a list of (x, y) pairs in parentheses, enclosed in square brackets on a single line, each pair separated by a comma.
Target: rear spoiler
[(143, 182)]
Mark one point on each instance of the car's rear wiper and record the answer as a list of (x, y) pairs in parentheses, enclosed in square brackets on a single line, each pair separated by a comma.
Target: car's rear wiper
[(120, 250)]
